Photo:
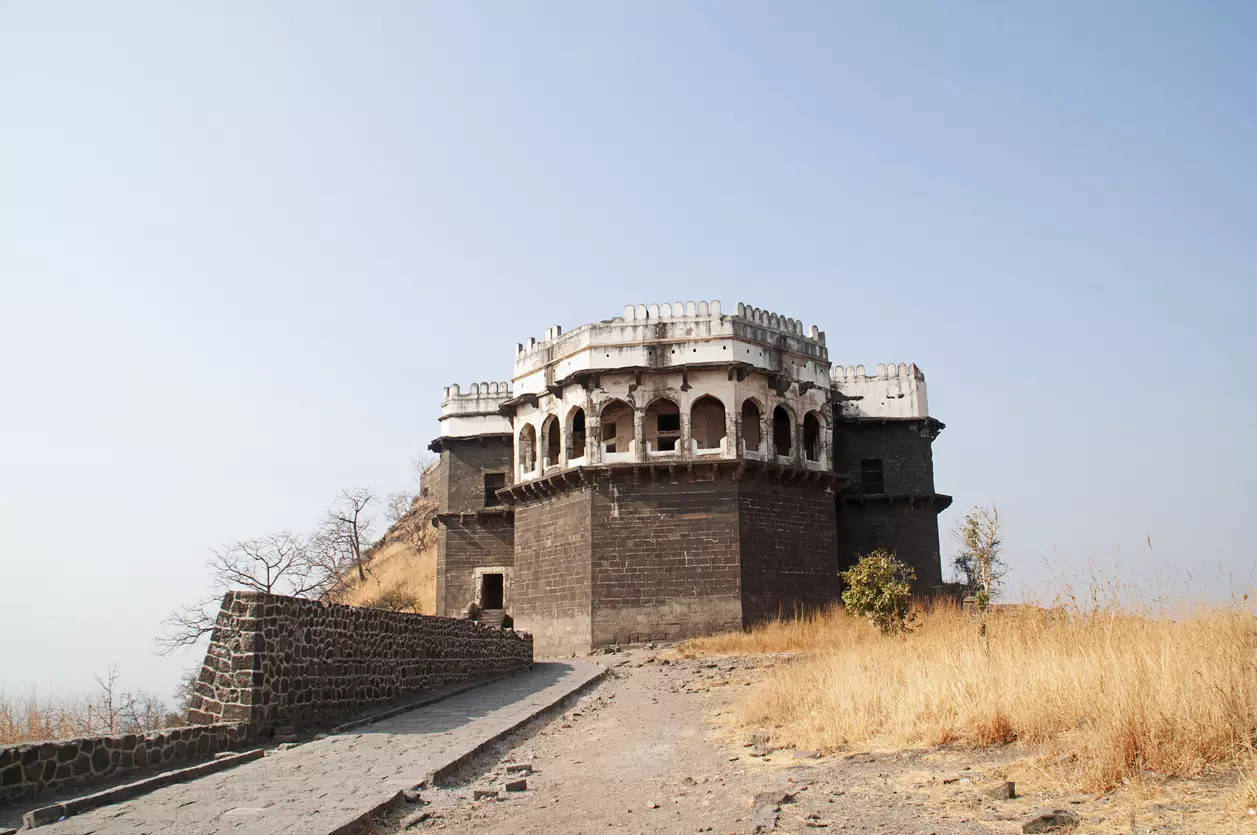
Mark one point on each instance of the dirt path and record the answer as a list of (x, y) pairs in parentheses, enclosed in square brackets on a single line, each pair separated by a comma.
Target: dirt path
[(641, 754), (647, 751)]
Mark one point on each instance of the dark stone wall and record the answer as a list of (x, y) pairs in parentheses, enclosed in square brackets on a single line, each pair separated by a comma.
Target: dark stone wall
[(463, 545), (277, 661), (904, 447), (665, 558), (550, 584), (465, 463), (30, 769), (904, 518), (909, 527), (788, 560), (475, 539)]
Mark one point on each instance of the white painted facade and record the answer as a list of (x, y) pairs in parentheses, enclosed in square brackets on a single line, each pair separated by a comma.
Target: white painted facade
[(892, 391), (682, 353), (475, 412)]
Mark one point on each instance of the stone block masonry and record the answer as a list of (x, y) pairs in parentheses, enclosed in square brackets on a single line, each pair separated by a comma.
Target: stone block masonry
[(31, 769), (276, 661)]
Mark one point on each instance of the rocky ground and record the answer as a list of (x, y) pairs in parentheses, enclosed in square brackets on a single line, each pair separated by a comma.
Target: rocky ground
[(650, 750)]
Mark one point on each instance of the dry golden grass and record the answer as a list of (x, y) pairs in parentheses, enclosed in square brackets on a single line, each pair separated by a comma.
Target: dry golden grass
[(1122, 692), (400, 568)]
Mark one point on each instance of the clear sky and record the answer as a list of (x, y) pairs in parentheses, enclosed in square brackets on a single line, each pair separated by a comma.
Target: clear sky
[(244, 244)]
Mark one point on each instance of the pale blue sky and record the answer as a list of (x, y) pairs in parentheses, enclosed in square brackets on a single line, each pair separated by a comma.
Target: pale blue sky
[(244, 244)]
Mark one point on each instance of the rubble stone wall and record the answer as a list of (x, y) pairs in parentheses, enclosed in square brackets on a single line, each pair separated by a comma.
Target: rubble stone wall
[(275, 661), (29, 769)]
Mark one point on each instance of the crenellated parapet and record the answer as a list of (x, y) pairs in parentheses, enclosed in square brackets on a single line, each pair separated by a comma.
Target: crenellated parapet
[(675, 335), (893, 390), (477, 411)]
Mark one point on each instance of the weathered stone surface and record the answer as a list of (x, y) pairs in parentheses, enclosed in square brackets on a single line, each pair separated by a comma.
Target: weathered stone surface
[(1057, 820), (280, 661)]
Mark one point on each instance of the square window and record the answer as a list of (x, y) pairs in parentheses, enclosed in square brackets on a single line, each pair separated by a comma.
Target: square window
[(493, 482), (871, 479)]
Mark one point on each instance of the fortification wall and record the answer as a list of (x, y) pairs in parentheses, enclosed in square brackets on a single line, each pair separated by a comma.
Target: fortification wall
[(891, 391), (789, 562), (673, 335), (30, 769), (276, 661), (550, 585), (665, 558)]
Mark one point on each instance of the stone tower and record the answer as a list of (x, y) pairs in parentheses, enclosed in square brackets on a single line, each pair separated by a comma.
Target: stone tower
[(675, 471)]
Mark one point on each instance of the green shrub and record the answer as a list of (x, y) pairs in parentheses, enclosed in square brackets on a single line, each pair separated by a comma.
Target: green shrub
[(878, 589)]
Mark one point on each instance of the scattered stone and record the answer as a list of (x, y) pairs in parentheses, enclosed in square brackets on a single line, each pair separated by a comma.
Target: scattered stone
[(515, 786), (756, 739), (807, 755), (1004, 791), (520, 768), (688, 781), (285, 746), (654, 804), (1057, 820), (772, 798), (764, 819), (411, 795), (414, 819), (482, 794)]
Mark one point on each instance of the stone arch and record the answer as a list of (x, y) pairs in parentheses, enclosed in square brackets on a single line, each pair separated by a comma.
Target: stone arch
[(662, 426), (575, 430), (550, 441), (752, 425), (812, 436), (783, 430), (528, 448), (616, 426), (707, 422)]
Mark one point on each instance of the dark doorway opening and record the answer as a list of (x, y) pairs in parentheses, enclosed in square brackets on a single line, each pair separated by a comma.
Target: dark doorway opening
[(492, 591)]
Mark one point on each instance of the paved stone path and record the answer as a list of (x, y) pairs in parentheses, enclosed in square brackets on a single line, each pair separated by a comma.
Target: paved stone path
[(325, 784)]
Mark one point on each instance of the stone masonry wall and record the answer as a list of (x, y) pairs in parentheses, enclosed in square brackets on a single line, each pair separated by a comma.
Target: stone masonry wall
[(665, 558), (550, 584), (32, 768), (276, 661), (789, 562), (463, 545), (909, 527)]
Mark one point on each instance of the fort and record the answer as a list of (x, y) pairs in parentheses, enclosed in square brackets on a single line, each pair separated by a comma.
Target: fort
[(673, 471)]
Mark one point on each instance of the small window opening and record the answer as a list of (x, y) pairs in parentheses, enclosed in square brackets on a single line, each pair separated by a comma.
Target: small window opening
[(577, 437), (707, 422), (617, 426), (752, 433), (811, 436), (608, 431), (663, 425), (781, 431), (493, 482), (550, 440), (871, 478), (492, 591), (528, 448)]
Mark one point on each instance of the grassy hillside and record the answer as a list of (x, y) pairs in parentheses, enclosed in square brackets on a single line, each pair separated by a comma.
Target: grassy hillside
[(401, 571)]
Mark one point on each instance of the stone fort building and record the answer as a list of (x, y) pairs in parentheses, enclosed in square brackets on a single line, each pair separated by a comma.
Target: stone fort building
[(677, 470)]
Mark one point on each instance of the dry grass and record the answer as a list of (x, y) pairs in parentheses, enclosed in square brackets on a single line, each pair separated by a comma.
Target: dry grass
[(1123, 693), (397, 570)]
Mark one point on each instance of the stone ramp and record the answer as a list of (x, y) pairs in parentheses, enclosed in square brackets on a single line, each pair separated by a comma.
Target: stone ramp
[(327, 784)]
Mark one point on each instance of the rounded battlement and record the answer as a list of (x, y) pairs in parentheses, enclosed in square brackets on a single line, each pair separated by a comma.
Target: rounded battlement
[(893, 390), (477, 411), (498, 389), (672, 335)]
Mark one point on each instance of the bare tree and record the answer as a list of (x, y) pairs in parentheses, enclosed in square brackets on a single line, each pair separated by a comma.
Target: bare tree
[(142, 712), (103, 713), (280, 563), (275, 564), (186, 626), (979, 561), (347, 530)]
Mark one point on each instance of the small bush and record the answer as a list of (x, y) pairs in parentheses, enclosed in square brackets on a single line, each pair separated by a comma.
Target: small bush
[(878, 589)]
